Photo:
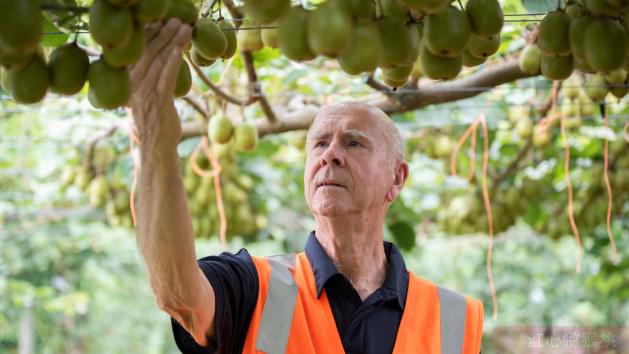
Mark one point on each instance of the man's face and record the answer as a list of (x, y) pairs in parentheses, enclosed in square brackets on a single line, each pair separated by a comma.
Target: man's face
[(348, 167)]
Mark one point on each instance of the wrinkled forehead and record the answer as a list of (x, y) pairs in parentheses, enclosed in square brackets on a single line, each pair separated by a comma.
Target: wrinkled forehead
[(355, 119)]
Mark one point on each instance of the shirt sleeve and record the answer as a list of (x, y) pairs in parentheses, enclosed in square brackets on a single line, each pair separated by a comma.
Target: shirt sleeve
[(235, 282)]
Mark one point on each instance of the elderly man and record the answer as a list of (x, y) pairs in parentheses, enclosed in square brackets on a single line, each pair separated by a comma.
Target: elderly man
[(348, 292)]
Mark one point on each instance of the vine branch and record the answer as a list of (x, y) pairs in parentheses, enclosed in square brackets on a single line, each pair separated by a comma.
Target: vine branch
[(255, 91), (217, 90)]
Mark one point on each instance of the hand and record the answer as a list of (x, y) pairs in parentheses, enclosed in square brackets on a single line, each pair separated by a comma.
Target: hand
[(153, 79)]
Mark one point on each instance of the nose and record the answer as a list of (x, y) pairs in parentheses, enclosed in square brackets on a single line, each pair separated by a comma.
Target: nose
[(333, 156)]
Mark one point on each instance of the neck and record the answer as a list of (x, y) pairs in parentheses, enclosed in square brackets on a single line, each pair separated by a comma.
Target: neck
[(356, 249)]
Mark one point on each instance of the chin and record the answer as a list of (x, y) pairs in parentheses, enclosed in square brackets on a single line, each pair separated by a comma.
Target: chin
[(329, 208)]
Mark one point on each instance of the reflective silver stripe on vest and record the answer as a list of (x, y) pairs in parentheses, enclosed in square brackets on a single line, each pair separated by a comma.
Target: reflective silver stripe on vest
[(277, 315), (452, 312)]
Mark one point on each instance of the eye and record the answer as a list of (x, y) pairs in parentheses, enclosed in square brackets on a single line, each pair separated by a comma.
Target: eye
[(320, 144), (354, 143)]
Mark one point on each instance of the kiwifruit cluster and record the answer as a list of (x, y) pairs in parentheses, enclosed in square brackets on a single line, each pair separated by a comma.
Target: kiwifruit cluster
[(588, 35)]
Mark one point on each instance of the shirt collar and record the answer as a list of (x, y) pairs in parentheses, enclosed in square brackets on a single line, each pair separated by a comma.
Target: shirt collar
[(323, 268)]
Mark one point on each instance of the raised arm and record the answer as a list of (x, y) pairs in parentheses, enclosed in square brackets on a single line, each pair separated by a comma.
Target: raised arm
[(165, 233)]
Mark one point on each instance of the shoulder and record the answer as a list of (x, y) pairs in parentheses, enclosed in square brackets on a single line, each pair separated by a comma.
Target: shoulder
[(455, 308)]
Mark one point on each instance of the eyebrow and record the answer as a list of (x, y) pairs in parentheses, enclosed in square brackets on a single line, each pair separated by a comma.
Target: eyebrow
[(352, 133)]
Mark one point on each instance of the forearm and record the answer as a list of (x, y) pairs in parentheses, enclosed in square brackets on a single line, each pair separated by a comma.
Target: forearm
[(165, 237)]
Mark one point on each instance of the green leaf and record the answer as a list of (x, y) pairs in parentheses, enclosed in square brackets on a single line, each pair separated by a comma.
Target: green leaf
[(537, 6), (403, 234), (53, 37)]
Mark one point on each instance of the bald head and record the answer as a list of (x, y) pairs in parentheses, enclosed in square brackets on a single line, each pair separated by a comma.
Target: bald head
[(372, 114)]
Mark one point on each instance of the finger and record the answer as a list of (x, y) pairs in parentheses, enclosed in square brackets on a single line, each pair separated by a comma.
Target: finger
[(153, 47), (157, 69), (151, 30), (170, 72)]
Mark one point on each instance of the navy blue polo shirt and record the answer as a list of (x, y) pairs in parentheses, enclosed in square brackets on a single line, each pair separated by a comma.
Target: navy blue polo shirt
[(368, 327)]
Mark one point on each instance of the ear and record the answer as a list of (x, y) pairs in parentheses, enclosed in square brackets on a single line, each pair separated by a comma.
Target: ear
[(399, 178)]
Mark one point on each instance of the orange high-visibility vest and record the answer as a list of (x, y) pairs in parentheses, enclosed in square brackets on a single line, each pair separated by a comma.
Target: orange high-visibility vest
[(289, 318)]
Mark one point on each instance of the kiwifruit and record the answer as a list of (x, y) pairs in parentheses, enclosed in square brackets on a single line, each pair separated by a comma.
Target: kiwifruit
[(20, 25), (596, 87), (577, 35), (111, 26), (486, 17), (220, 129), (365, 49), (396, 76), (616, 77), (470, 60), (245, 136), (602, 7), (68, 69), (249, 39), (266, 11), (128, 54), (198, 59), (437, 67), (557, 67), (29, 84), (605, 44), (571, 87), (447, 33), (230, 36), (208, 39), (329, 29), (10, 57), (400, 42), (269, 37), (483, 47), (582, 65), (146, 11), (554, 34), (111, 86), (292, 35), (530, 60), (183, 10), (184, 80), (392, 9)]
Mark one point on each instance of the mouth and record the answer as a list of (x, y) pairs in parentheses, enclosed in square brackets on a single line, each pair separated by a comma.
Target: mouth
[(329, 184)]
